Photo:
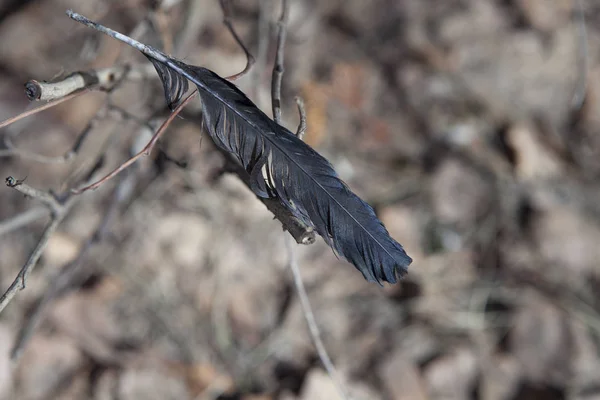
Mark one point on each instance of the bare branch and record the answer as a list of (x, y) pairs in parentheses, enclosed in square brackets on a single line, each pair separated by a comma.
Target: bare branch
[(19, 283), (72, 86), (46, 198), (71, 274), (59, 212), (102, 79), (59, 209)]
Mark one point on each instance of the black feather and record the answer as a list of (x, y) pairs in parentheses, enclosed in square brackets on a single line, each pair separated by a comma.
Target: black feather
[(175, 85), (281, 165)]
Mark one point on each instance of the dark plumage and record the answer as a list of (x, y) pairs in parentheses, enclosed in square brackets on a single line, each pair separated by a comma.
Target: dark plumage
[(281, 165)]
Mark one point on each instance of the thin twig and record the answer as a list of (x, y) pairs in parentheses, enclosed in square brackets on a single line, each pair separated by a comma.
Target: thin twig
[(46, 106), (107, 110), (21, 279), (310, 320), (278, 68), (302, 125), (163, 58), (227, 18), (73, 85), (59, 209), (19, 282), (145, 151), (70, 274), (46, 198)]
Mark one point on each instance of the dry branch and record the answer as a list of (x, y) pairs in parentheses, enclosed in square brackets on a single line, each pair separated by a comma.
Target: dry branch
[(102, 79), (59, 208), (71, 274)]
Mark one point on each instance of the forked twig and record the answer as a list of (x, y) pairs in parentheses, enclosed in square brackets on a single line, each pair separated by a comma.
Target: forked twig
[(59, 211), (46, 198), (75, 84), (302, 233), (71, 273), (160, 56), (58, 208)]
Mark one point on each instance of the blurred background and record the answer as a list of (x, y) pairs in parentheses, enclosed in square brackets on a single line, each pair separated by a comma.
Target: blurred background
[(472, 127)]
